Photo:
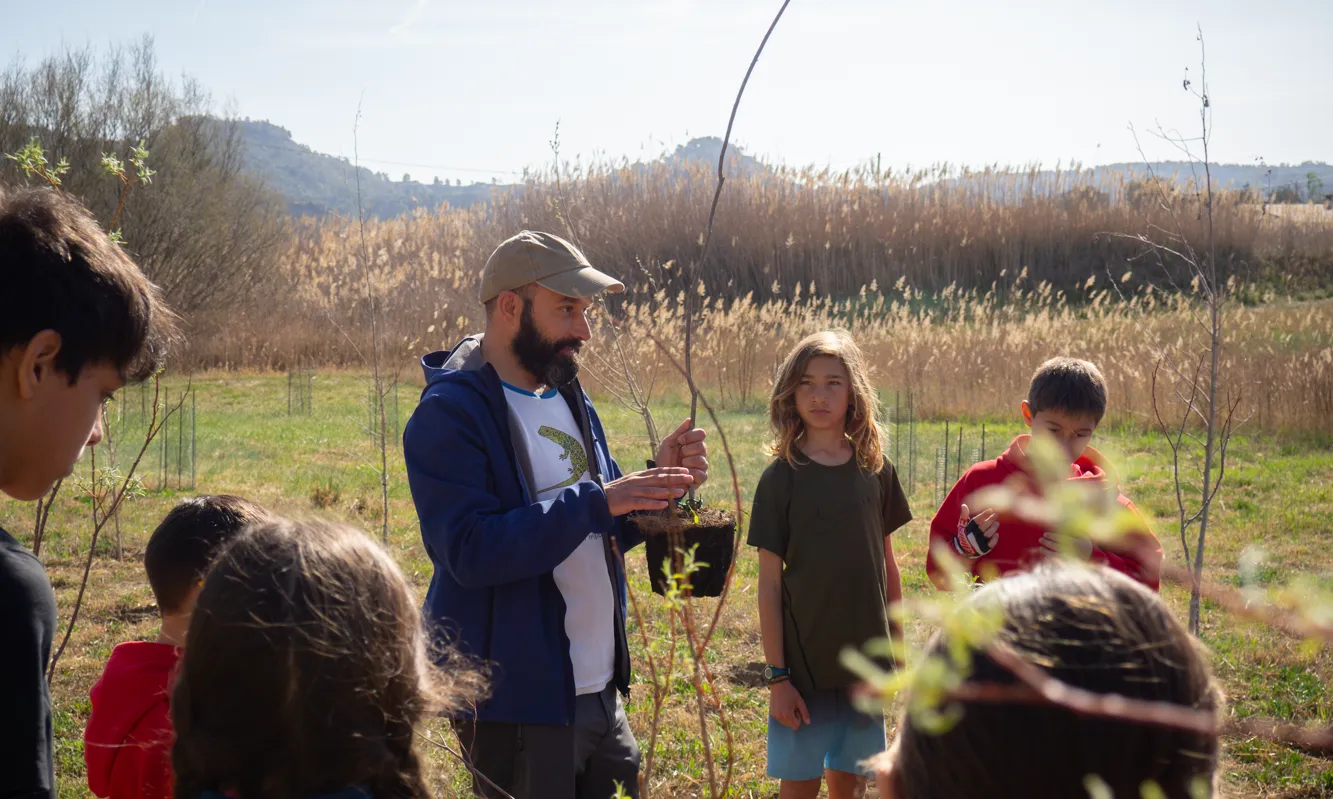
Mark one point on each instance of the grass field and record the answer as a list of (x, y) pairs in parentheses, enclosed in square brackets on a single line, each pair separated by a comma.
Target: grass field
[(1278, 495)]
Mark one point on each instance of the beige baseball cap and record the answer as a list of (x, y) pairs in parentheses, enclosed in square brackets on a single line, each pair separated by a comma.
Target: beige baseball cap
[(544, 259)]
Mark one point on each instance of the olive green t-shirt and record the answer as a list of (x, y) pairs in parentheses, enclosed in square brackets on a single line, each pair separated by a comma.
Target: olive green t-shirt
[(828, 523)]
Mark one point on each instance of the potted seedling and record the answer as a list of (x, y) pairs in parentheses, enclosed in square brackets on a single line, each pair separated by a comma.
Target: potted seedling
[(689, 525), (690, 528), (690, 545)]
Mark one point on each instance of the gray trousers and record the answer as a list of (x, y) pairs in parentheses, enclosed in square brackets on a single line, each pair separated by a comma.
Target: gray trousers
[(540, 761)]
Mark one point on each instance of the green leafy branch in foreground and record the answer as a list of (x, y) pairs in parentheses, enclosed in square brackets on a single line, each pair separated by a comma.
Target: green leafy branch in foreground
[(32, 161), (139, 172), (936, 686)]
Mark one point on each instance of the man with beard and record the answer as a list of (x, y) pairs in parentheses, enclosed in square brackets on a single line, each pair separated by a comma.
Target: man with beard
[(522, 509)]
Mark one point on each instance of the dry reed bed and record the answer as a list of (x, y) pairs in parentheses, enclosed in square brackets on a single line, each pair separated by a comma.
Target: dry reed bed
[(973, 356), (957, 284)]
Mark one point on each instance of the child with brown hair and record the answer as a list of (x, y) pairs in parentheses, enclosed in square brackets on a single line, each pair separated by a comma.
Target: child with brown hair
[(1066, 401), (1093, 629), (823, 514), (307, 672), (127, 744), (78, 320)]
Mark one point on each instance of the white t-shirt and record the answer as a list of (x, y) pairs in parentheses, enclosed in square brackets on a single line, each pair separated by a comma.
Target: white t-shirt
[(555, 450)]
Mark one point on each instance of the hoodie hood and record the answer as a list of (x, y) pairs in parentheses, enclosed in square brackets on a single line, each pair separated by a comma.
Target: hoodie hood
[(136, 684), (464, 366), (1091, 466), (464, 357)]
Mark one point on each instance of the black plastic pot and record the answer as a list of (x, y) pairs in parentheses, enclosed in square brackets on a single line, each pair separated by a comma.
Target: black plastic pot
[(716, 543)]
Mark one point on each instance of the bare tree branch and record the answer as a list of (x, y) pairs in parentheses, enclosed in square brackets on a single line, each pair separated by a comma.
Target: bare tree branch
[(1045, 689), (467, 764), (712, 213), (103, 513), (372, 300), (43, 515), (1244, 607)]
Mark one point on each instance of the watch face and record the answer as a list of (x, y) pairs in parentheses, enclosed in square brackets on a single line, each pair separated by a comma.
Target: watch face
[(768, 673)]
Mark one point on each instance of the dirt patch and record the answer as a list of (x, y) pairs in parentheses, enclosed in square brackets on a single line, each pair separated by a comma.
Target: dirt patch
[(128, 615), (749, 675)]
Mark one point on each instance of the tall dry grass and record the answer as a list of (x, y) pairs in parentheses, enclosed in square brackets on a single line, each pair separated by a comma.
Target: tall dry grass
[(972, 354), (957, 284)]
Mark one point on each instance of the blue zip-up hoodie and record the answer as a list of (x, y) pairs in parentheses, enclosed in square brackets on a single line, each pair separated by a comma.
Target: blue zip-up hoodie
[(493, 594)]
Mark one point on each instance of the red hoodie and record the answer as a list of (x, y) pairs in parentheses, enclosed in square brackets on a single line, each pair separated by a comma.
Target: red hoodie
[(1019, 544), (127, 746)]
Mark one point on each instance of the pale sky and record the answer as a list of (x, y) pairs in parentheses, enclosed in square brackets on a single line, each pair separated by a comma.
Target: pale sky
[(474, 90)]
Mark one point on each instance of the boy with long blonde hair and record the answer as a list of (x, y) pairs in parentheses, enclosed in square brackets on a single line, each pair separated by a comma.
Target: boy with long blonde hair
[(823, 515)]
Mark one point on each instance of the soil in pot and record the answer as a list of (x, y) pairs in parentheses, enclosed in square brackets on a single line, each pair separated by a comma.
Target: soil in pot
[(715, 536)]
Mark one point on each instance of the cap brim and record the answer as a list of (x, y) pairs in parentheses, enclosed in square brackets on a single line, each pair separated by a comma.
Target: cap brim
[(583, 282)]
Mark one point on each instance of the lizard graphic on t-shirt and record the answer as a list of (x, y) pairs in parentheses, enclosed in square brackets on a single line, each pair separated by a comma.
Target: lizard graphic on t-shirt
[(573, 452)]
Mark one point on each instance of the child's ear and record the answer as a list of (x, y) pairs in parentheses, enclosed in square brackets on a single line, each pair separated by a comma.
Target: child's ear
[(36, 360), (1027, 413)]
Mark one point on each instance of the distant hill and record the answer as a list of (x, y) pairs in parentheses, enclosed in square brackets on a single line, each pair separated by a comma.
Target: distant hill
[(317, 184), (707, 150), (1280, 183), (1259, 177)]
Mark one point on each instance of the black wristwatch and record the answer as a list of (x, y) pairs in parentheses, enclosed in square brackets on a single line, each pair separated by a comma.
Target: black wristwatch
[(775, 674)]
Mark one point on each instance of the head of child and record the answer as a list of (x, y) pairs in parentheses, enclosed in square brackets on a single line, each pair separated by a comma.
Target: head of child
[(824, 386), (77, 321), (181, 549), (307, 670), (1066, 401), (1091, 628)]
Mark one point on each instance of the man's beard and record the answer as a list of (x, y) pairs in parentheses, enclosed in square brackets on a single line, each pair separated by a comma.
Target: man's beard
[(543, 358)]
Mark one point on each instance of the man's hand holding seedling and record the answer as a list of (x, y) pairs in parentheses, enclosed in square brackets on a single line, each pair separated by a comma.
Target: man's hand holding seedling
[(686, 448), (651, 489)]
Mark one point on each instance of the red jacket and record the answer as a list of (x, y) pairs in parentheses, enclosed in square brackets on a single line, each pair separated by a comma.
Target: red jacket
[(127, 746), (1019, 545)]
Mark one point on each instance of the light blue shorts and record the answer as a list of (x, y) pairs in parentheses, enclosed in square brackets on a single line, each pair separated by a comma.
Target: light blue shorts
[(838, 737)]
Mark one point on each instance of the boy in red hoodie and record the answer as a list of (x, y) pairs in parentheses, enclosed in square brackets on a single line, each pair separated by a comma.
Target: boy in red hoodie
[(127, 745), (1066, 401)]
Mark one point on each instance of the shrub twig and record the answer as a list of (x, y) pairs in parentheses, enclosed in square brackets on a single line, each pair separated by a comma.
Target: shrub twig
[(102, 513), (698, 266), (377, 376), (43, 515)]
